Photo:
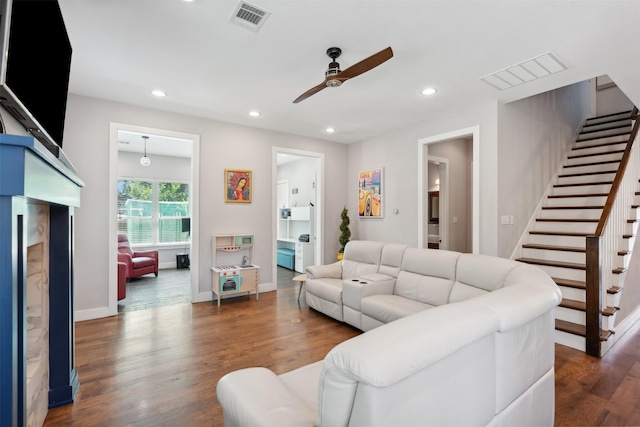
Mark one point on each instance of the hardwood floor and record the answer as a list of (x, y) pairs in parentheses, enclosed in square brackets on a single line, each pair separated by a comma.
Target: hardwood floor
[(160, 367)]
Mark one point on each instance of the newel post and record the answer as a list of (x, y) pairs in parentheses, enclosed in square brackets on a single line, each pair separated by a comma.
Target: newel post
[(593, 296)]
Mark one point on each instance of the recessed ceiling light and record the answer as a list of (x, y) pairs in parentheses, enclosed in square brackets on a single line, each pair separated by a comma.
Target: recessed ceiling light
[(254, 113), (429, 91), (330, 130), (159, 93)]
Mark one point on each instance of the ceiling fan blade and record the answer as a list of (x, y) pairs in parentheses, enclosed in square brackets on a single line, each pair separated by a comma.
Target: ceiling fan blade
[(366, 64), (310, 92)]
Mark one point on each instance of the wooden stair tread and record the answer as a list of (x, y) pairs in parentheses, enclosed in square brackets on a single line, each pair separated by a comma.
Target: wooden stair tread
[(567, 220), (573, 304), (582, 306), (619, 270), (571, 207), (603, 137), (576, 284), (554, 248), (619, 113), (559, 233), (591, 164), (582, 156), (582, 184), (580, 330), (611, 127), (572, 175), (565, 196), (562, 264)]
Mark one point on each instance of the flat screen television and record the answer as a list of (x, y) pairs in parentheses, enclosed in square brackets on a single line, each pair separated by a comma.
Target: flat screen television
[(34, 72)]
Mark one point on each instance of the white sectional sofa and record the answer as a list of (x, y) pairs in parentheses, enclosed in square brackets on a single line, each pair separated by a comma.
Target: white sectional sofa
[(451, 340)]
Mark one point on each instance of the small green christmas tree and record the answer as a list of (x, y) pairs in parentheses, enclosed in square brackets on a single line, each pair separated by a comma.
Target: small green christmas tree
[(345, 233)]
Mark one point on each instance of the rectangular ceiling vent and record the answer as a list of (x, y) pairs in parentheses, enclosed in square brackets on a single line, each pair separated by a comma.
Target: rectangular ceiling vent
[(524, 72), (250, 16)]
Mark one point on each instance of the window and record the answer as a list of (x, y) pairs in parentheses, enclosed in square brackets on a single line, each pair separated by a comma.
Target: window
[(151, 212)]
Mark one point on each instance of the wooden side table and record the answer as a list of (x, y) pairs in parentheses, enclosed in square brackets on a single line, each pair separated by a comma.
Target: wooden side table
[(300, 278)]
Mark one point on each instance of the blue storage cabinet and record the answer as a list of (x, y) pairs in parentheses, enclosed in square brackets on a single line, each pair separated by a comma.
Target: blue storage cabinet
[(286, 258)]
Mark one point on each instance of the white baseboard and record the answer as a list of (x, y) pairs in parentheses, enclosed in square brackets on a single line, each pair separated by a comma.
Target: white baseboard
[(93, 313)]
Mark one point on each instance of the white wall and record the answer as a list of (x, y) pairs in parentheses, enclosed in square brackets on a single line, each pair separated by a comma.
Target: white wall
[(397, 152), (534, 136), (460, 155), (301, 175), (609, 98), (222, 145)]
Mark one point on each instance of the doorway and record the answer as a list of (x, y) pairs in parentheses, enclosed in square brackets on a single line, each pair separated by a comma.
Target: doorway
[(458, 189), (297, 207), (174, 158)]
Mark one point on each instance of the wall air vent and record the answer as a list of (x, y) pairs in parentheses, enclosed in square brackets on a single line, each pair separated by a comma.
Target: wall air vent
[(525, 71), (250, 16)]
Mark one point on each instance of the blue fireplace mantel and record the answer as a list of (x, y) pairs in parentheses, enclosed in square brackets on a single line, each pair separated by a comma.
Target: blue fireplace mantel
[(31, 174)]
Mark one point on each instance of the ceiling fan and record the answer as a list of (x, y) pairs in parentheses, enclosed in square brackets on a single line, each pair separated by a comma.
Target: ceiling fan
[(334, 77)]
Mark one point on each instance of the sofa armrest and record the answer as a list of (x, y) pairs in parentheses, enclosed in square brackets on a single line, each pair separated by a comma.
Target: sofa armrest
[(257, 397), (330, 271), (353, 291), (150, 254), (125, 258)]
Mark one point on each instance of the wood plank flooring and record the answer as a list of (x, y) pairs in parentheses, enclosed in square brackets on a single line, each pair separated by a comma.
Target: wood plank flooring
[(159, 367)]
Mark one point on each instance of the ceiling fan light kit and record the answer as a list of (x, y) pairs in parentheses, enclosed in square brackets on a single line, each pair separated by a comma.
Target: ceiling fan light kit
[(334, 77)]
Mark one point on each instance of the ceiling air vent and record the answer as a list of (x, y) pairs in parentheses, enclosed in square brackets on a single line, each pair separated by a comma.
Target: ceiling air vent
[(528, 70), (250, 16)]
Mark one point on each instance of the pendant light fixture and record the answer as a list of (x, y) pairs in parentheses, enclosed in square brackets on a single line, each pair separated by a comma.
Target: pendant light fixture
[(144, 160)]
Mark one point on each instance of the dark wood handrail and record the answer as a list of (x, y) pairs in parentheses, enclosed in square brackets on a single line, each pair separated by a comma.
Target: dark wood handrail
[(593, 279), (624, 161)]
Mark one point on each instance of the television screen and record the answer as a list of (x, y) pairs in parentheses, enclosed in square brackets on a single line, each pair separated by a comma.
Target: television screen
[(35, 73)]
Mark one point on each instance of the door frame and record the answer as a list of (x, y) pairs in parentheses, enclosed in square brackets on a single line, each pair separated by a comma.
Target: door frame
[(423, 153), (194, 188), (318, 248)]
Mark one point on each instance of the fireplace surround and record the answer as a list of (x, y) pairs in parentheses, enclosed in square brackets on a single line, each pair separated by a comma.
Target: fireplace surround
[(38, 194)]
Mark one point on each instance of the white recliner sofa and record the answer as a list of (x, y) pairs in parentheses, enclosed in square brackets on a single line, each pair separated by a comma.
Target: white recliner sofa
[(478, 351), (361, 259)]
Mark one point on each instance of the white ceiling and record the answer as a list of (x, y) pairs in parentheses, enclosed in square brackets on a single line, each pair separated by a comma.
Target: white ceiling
[(212, 68)]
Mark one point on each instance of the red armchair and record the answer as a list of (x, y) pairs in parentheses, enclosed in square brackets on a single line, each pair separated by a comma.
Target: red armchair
[(138, 263), (122, 281)]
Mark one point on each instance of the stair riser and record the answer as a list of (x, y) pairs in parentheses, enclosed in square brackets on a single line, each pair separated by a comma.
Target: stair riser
[(627, 244), (551, 255), (595, 159), (631, 228), (608, 322), (564, 273), (576, 201), (570, 340), (563, 191), (603, 133), (571, 213), (572, 227), (623, 261), (618, 116), (570, 315), (583, 179), (542, 239), (591, 127), (598, 149), (572, 293)]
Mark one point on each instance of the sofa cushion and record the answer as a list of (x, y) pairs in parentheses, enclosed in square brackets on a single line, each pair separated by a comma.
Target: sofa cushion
[(140, 262), (361, 257), (326, 289), (479, 274), (391, 259), (387, 308)]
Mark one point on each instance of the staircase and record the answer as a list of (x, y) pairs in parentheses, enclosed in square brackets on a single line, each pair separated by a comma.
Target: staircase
[(557, 239)]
